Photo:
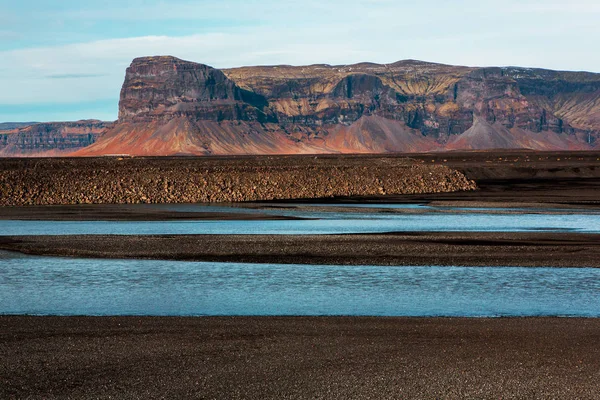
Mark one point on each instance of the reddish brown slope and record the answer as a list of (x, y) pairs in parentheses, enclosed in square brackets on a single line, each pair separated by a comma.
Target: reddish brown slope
[(485, 136), (185, 136), (182, 136)]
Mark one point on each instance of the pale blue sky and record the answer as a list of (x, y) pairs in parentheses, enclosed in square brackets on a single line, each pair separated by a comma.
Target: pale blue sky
[(65, 59)]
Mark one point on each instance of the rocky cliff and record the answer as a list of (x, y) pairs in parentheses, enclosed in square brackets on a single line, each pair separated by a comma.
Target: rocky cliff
[(170, 106), (50, 139), (4, 126)]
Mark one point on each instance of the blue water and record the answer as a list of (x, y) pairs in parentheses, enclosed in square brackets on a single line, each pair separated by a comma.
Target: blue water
[(327, 223), (56, 286)]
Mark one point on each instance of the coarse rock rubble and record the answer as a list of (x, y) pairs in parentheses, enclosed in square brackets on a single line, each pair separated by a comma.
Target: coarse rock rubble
[(191, 180)]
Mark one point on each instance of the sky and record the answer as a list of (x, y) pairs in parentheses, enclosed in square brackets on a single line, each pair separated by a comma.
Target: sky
[(65, 60)]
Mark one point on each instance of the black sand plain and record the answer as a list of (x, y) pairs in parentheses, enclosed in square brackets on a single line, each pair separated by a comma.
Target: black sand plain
[(329, 357), (298, 358)]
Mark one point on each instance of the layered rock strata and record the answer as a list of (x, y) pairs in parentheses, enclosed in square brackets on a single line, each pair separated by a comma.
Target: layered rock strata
[(50, 139), (170, 106)]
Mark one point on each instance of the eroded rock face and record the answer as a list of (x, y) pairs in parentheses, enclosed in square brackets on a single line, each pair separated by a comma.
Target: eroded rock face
[(50, 139), (169, 106), (162, 87), (439, 101)]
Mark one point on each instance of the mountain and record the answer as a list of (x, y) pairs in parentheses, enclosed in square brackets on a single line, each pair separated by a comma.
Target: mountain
[(12, 125), (50, 139), (170, 106)]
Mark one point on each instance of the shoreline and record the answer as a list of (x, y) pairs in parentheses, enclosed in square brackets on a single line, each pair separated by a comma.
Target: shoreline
[(298, 357), (263, 211), (125, 212)]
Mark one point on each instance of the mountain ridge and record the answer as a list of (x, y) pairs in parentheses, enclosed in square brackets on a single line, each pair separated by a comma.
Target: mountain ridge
[(170, 106), (50, 139)]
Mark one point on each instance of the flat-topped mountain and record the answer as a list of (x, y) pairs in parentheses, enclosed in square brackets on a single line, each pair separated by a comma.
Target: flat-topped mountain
[(169, 106)]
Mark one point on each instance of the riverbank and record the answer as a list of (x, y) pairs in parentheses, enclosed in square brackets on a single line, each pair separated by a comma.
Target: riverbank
[(512, 178), (110, 180), (299, 358), (126, 212), (540, 249)]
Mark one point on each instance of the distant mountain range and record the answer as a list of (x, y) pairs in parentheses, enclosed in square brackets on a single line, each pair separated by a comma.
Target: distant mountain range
[(173, 107), (13, 125), (51, 139)]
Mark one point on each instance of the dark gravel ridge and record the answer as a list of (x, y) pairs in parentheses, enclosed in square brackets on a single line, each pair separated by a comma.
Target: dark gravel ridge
[(194, 180), (546, 249)]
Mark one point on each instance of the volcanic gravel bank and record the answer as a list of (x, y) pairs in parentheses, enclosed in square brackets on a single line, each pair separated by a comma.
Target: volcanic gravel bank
[(531, 249), (192, 180), (299, 358)]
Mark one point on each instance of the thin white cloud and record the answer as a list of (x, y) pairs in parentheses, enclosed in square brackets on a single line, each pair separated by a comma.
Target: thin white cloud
[(558, 7)]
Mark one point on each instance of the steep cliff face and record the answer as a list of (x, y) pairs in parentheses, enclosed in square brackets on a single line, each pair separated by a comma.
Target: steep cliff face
[(50, 139), (162, 87), (570, 96), (171, 106), (418, 94)]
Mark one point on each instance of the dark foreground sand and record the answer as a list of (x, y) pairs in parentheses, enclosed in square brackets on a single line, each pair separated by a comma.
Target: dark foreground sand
[(411, 248), (299, 358)]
